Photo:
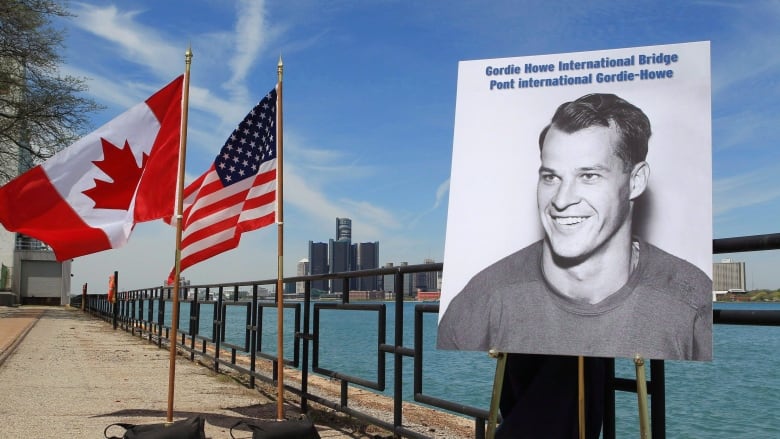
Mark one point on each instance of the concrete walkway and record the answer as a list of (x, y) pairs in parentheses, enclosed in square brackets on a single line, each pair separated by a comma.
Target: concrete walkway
[(66, 374)]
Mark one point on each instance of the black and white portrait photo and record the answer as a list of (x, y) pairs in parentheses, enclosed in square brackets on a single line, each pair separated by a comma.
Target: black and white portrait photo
[(580, 212)]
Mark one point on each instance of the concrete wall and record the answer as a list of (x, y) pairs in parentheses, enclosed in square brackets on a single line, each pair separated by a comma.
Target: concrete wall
[(7, 255)]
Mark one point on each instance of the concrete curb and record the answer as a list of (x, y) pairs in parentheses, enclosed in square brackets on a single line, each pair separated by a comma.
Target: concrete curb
[(16, 336)]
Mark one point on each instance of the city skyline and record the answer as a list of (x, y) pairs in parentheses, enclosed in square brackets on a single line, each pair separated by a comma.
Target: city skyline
[(369, 103), (342, 256)]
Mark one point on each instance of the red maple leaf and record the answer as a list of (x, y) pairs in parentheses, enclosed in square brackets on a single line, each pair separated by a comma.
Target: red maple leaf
[(121, 167)]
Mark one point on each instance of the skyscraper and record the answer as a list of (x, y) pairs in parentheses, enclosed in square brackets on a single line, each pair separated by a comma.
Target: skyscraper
[(728, 275), (366, 258), (343, 229), (303, 270), (388, 280), (431, 277), (318, 264), (339, 257), (407, 290)]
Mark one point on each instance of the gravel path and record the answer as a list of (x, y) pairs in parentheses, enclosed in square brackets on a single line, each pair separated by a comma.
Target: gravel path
[(66, 374)]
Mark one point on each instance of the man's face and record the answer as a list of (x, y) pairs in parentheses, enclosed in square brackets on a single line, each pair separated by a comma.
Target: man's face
[(583, 193)]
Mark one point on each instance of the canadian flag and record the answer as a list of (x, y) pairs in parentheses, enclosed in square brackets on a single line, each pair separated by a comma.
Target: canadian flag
[(88, 197)]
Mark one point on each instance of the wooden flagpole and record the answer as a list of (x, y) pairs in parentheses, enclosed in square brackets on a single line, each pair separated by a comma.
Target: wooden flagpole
[(280, 248), (179, 209)]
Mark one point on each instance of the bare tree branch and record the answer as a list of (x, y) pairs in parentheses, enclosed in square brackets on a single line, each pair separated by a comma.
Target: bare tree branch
[(41, 111)]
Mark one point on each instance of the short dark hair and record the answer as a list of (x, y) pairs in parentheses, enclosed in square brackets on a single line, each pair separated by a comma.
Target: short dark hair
[(606, 110)]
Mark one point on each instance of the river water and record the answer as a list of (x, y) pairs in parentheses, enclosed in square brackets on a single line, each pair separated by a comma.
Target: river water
[(737, 395)]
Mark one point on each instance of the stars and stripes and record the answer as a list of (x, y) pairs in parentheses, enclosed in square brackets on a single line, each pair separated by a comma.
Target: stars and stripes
[(251, 144), (238, 192)]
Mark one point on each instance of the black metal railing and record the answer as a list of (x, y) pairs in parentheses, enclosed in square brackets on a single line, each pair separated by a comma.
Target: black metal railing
[(134, 312)]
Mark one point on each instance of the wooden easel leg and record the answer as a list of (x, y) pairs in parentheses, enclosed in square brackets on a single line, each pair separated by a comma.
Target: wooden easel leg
[(641, 392), (581, 395), (498, 382)]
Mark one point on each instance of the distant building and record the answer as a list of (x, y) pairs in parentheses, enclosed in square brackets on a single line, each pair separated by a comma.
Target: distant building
[(408, 282), (388, 280), (339, 257), (420, 282), (369, 295), (290, 288), (412, 283), (344, 229), (728, 276), (318, 264), (303, 270), (366, 255), (428, 296), (426, 281), (432, 277)]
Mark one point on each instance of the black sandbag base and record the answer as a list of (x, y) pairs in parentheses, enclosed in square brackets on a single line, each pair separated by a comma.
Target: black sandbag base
[(302, 428)]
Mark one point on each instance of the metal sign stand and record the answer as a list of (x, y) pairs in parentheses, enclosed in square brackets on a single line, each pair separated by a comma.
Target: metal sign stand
[(498, 382), (641, 392)]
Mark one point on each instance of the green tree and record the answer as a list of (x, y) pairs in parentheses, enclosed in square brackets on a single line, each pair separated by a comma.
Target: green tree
[(41, 111), (760, 297)]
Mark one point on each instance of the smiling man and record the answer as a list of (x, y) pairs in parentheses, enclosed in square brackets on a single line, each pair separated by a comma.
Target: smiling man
[(590, 286)]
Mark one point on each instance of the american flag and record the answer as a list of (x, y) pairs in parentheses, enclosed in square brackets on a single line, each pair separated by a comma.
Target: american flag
[(238, 192)]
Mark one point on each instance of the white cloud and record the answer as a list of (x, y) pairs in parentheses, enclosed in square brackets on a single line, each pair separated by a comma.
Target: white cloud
[(737, 130), (441, 192), (371, 221), (371, 215), (743, 55), (110, 91), (145, 47), (138, 43), (300, 192), (745, 190), (311, 156), (249, 38)]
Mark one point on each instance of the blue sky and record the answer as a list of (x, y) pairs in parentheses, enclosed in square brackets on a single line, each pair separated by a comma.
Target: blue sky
[(369, 104)]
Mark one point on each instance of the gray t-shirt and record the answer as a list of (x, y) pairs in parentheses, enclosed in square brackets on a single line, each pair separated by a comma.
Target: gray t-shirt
[(664, 311)]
